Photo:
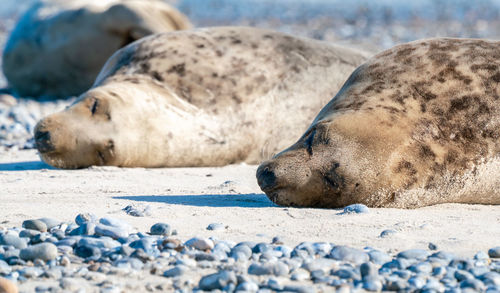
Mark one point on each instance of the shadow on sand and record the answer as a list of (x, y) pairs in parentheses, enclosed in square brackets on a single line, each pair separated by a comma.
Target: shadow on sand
[(252, 200), (25, 166)]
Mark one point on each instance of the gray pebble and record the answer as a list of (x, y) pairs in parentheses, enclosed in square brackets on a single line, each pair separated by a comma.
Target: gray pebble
[(474, 284), (418, 254), (241, 252), (13, 240), (50, 223), (35, 225), (200, 243), (324, 264), (269, 268), (421, 268), (432, 246), (356, 208), (160, 229), (247, 286), (417, 282), (101, 242), (462, 275), (84, 229), (218, 280), (114, 232), (433, 285), (216, 226), (379, 257), (494, 252), (43, 251), (396, 284), (300, 275), (85, 218), (28, 233), (261, 248), (88, 252), (368, 269), (372, 284), (277, 240), (145, 244), (387, 233), (31, 272), (349, 254)]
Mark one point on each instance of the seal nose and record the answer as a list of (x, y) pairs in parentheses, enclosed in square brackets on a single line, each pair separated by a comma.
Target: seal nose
[(266, 177), (42, 141)]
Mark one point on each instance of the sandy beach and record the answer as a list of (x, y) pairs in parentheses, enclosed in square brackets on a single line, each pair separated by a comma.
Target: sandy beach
[(189, 199)]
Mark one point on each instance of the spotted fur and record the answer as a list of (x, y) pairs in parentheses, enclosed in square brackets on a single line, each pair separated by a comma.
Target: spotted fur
[(413, 126)]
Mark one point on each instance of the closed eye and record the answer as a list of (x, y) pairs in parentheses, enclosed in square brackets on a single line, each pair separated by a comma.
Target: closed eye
[(94, 106), (309, 141)]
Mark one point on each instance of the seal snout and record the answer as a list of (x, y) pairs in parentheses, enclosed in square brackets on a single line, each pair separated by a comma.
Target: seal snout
[(266, 177), (43, 142)]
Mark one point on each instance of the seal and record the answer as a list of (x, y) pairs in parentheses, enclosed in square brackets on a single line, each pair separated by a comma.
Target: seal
[(58, 47), (415, 125), (207, 97)]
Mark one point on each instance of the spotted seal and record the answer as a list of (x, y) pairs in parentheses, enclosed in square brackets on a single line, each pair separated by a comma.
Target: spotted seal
[(58, 47), (206, 97), (415, 125)]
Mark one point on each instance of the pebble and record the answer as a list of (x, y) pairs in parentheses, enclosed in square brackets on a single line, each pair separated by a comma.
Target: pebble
[(247, 286), (243, 267), (494, 252), (349, 254), (217, 280), (85, 218), (387, 233), (111, 231), (42, 251), (176, 271), (269, 268), (200, 243), (136, 212), (12, 240), (356, 208), (216, 227), (418, 254), (50, 223), (35, 225), (160, 229), (88, 252)]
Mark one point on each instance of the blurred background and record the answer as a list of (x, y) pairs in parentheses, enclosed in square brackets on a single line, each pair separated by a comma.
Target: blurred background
[(370, 24)]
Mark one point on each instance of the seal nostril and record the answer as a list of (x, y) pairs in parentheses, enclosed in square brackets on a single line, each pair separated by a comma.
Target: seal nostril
[(266, 178), (42, 135), (42, 142)]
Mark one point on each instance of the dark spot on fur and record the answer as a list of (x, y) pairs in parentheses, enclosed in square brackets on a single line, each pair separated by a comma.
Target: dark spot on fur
[(406, 167), (427, 96), (460, 104), (333, 179), (180, 69), (426, 152), (496, 77), (157, 76)]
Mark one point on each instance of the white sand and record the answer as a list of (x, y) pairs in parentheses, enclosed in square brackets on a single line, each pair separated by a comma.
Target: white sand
[(191, 198)]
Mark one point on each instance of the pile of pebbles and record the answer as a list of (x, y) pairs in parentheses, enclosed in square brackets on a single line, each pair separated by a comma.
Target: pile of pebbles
[(18, 118), (85, 253)]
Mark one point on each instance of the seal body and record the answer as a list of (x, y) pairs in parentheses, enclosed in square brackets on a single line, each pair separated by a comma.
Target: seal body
[(206, 97), (58, 47), (416, 125)]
